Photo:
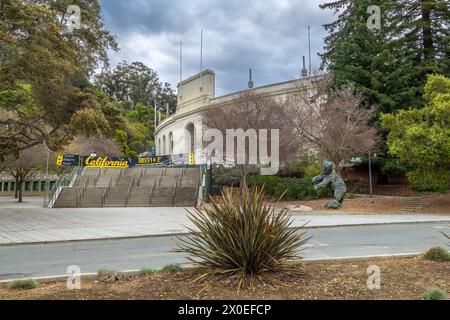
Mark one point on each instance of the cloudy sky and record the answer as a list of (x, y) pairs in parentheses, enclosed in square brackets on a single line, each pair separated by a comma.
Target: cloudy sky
[(269, 36)]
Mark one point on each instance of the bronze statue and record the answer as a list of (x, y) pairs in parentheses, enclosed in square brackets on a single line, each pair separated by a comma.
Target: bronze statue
[(329, 178)]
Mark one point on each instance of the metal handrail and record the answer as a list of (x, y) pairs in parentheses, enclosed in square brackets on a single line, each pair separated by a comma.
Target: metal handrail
[(129, 190), (83, 190), (160, 177), (198, 184), (97, 176), (105, 193), (174, 191), (140, 177), (118, 178), (182, 175), (151, 193)]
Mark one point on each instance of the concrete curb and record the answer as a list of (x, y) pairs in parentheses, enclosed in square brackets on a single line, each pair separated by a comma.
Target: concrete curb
[(57, 278), (182, 233)]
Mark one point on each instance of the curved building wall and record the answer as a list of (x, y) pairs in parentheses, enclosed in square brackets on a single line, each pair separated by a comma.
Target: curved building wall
[(183, 129)]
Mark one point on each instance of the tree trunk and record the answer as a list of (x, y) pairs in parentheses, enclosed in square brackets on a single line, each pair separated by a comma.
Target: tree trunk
[(19, 188), (16, 192), (427, 30)]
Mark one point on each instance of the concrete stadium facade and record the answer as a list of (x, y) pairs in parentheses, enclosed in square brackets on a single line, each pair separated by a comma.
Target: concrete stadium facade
[(181, 132)]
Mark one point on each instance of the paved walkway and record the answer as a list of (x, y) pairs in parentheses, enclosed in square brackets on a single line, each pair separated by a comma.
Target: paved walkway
[(30, 223)]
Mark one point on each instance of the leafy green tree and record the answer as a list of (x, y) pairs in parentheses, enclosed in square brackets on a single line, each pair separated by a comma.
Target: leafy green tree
[(137, 83), (44, 67), (138, 136), (389, 66), (420, 138)]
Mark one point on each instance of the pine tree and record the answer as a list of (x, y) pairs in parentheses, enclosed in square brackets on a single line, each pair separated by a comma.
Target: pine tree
[(389, 66)]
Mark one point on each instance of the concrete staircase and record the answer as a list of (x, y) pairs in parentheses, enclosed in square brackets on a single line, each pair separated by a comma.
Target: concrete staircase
[(133, 187), (415, 204)]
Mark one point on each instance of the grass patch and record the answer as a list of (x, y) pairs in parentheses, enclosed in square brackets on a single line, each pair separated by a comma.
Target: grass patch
[(171, 268), (24, 284), (146, 271), (437, 254), (434, 294), (102, 271)]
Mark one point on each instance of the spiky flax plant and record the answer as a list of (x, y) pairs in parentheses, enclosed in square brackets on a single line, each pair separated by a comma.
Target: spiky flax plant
[(242, 239)]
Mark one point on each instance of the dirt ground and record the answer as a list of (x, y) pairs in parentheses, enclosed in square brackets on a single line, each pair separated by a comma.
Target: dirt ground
[(405, 278), (377, 205)]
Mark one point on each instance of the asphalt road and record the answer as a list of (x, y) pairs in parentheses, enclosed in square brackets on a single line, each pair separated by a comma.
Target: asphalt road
[(154, 252)]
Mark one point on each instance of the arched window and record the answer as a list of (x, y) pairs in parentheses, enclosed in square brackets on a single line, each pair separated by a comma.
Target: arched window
[(164, 145), (189, 138), (170, 143)]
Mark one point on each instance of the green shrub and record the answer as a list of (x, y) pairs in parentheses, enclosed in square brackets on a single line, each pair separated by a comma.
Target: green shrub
[(434, 294), (270, 183), (146, 271), (102, 271), (23, 284), (437, 254), (298, 189), (292, 188), (242, 239), (429, 180), (171, 268)]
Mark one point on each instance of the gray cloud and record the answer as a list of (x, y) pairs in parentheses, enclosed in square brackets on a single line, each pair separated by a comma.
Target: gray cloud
[(268, 36)]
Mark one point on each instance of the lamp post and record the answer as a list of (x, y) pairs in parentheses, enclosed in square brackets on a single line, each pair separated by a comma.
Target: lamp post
[(46, 174), (370, 174)]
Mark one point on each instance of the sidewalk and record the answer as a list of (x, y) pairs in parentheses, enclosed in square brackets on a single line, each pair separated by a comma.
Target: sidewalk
[(34, 224)]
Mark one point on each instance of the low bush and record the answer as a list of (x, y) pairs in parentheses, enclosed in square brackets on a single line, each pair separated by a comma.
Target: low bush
[(289, 188), (437, 254), (146, 271), (434, 180), (23, 284), (434, 294), (171, 268)]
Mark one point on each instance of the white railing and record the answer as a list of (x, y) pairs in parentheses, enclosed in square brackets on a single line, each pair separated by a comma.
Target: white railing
[(63, 182)]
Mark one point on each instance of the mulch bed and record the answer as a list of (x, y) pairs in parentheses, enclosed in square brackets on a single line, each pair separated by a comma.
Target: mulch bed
[(405, 278)]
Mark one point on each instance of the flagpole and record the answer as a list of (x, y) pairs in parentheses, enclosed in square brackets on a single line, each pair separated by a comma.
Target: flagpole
[(201, 58)]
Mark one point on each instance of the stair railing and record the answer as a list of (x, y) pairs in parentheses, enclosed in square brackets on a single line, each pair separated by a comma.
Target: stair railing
[(182, 175), (160, 178), (174, 191), (140, 177), (80, 195), (151, 193), (198, 186), (119, 176), (105, 193), (97, 177), (130, 187)]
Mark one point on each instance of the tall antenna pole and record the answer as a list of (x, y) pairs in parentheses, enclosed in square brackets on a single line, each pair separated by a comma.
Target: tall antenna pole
[(250, 81), (181, 67), (201, 58), (309, 49)]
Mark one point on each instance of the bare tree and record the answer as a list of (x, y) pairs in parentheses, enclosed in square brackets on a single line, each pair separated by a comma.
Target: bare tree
[(28, 163), (335, 123), (252, 111)]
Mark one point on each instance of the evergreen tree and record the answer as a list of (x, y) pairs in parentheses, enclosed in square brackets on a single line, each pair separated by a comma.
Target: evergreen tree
[(389, 66)]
